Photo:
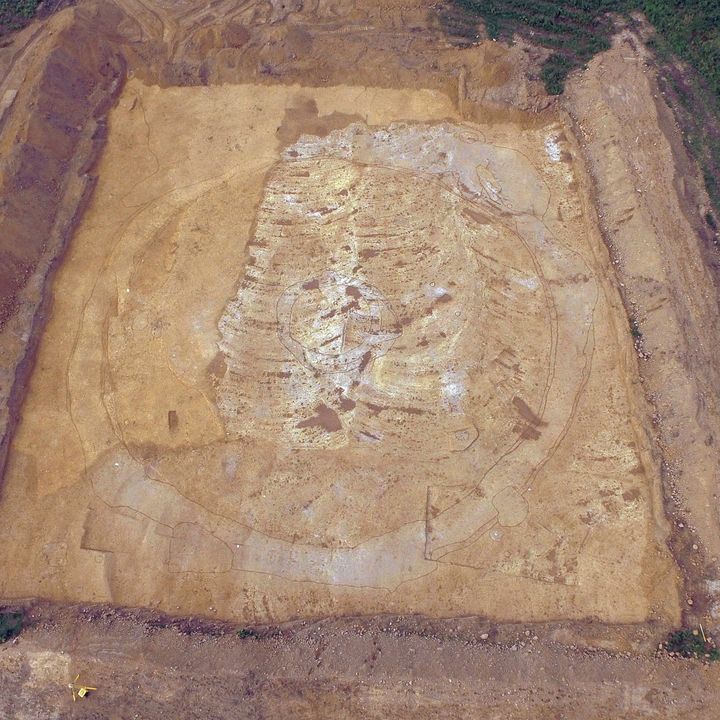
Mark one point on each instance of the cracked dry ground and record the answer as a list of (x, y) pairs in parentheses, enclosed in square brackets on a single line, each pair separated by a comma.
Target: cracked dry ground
[(334, 344)]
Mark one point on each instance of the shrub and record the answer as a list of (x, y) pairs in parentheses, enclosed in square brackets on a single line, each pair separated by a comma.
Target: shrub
[(554, 71), (23, 8), (691, 644), (11, 624)]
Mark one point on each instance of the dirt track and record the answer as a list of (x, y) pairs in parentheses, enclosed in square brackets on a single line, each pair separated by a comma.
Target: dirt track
[(343, 333), (387, 667)]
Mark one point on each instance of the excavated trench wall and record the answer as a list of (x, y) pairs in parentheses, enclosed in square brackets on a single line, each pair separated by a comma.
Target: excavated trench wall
[(51, 135)]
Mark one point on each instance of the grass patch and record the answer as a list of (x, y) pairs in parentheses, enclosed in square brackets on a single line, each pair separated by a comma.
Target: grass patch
[(11, 623)]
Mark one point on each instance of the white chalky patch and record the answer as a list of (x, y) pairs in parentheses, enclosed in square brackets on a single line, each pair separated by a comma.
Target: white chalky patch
[(552, 148)]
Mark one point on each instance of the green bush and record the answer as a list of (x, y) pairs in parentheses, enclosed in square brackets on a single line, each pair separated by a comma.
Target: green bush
[(691, 643), (11, 624), (554, 71)]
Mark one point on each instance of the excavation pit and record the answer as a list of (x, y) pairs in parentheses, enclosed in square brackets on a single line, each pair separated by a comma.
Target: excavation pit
[(320, 351)]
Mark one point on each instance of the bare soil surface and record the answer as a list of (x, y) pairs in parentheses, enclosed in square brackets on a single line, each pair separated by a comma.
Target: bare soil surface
[(326, 313), (146, 666), (353, 367), (650, 204)]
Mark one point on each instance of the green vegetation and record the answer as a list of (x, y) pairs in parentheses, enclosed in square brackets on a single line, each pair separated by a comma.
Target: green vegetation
[(15, 13), (22, 8), (575, 30), (698, 112), (11, 624), (691, 29), (692, 644), (695, 99), (246, 633), (554, 71)]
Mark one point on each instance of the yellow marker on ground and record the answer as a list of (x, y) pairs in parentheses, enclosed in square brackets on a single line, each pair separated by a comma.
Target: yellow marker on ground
[(79, 691)]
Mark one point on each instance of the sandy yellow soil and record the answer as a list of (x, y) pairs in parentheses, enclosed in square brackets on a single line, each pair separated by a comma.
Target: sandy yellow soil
[(336, 350)]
